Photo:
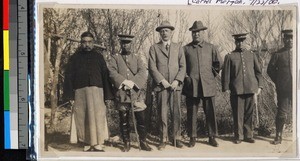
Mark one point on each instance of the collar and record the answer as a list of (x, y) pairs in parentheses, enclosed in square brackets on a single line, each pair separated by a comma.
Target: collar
[(195, 44), (166, 42), (125, 53), (239, 50)]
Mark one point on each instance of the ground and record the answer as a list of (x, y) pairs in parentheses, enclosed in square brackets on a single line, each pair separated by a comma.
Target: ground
[(59, 145), (262, 147)]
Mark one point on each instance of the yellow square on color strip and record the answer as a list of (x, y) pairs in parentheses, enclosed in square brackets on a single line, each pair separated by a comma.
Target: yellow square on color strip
[(6, 49)]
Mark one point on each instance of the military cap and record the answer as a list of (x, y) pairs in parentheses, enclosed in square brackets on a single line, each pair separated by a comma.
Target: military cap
[(197, 26), (125, 38), (240, 37), (164, 24), (87, 34), (287, 32)]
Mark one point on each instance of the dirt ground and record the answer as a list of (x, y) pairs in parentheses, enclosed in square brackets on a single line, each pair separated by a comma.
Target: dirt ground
[(261, 148)]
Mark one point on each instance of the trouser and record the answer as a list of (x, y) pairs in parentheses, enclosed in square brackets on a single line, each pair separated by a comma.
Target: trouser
[(90, 115), (242, 111), (166, 104), (209, 109), (125, 126), (284, 106)]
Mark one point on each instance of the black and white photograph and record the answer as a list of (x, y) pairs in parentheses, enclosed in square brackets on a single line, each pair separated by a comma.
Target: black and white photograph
[(167, 81)]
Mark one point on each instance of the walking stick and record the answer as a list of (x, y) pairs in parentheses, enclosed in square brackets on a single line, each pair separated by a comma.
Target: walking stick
[(133, 119), (173, 94), (256, 110)]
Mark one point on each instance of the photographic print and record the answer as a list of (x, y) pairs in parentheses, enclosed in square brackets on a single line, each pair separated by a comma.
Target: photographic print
[(167, 81)]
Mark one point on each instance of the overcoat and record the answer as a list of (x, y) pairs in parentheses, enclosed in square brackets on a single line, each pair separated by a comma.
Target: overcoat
[(130, 67), (202, 65)]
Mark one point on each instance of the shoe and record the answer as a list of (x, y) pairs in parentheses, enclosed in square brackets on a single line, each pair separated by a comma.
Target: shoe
[(178, 144), (212, 141), (192, 142), (249, 140), (145, 146), (277, 140), (161, 146), (237, 141), (98, 148), (126, 147)]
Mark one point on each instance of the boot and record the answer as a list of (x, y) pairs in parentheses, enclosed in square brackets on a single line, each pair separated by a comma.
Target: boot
[(192, 142), (125, 129), (278, 139), (212, 141), (279, 129), (145, 146), (141, 129), (126, 146)]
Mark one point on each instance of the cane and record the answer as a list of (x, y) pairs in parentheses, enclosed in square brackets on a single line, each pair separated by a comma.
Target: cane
[(256, 110), (133, 118), (173, 94)]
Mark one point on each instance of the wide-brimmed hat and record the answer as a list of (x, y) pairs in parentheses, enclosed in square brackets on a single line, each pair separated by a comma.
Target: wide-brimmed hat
[(164, 24), (125, 38), (197, 26), (240, 37)]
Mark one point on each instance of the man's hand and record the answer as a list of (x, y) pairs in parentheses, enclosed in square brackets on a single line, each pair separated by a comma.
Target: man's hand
[(174, 85), (165, 83), (128, 84), (227, 91)]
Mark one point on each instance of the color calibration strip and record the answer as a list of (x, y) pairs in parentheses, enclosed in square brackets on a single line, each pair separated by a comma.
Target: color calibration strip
[(7, 139)]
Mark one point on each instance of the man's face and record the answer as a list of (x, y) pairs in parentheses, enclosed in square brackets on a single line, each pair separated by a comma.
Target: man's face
[(239, 44), (198, 36), (126, 46), (165, 34), (288, 41), (87, 43)]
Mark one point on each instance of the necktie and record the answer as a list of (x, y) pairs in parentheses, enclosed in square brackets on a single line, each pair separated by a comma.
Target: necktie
[(167, 47)]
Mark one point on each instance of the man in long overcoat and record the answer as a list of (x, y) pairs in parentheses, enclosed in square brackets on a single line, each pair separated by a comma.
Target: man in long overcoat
[(242, 78), (86, 82), (280, 71), (129, 76), (167, 67), (202, 65)]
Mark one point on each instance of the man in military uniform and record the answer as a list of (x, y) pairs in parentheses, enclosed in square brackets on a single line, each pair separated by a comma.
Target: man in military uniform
[(167, 68), (202, 66), (128, 75), (242, 78), (86, 82), (280, 71)]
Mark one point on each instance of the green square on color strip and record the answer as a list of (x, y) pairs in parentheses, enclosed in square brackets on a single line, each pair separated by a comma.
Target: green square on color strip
[(6, 90)]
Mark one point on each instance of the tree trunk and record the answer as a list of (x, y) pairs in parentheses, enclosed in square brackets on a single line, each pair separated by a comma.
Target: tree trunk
[(53, 94)]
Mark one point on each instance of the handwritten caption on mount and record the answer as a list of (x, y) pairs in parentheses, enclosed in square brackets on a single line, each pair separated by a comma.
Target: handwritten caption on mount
[(234, 2)]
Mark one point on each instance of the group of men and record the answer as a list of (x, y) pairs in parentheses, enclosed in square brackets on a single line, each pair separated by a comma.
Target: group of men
[(176, 70)]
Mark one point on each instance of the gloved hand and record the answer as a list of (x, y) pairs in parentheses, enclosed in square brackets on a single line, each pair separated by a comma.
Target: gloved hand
[(174, 85), (165, 83)]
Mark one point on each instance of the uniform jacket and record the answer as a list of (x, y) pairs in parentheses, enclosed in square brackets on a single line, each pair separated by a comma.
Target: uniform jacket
[(86, 69), (241, 73), (202, 65), (280, 70), (167, 65), (128, 67)]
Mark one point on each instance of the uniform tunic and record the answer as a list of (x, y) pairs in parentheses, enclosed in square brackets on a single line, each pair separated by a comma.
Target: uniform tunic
[(242, 76)]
